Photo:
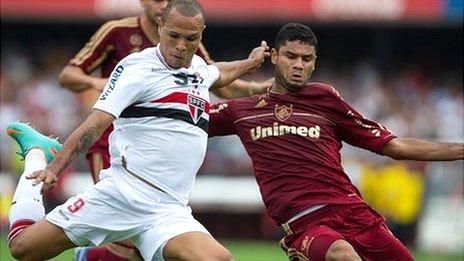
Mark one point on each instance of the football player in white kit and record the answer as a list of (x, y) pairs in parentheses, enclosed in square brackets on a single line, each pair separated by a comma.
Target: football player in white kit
[(158, 101)]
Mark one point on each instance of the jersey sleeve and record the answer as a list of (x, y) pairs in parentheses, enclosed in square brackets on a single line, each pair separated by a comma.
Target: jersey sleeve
[(221, 120), (96, 50), (358, 131), (124, 88)]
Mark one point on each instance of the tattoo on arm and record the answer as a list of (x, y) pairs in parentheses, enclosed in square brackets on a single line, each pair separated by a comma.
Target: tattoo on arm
[(86, 140)]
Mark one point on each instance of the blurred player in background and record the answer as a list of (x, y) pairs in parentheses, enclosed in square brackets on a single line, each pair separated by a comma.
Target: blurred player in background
[(293, 135), (159, 101), (112, 42)]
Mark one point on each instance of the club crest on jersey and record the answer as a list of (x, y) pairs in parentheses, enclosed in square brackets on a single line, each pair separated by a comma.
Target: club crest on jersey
[(196, 107), (283, 112)]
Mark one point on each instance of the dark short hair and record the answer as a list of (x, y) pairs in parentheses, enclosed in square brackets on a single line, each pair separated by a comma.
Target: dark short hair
[(295, 32), (187, 8)]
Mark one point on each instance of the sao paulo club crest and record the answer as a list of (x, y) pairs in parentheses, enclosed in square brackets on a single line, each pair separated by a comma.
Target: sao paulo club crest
[(196, 107)]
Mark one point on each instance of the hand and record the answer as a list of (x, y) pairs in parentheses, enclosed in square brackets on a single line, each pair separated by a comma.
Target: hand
[(259, 54), (98, 84), (48, 178)]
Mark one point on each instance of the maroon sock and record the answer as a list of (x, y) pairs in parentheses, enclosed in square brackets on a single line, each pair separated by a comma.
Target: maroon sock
[(102, 254)]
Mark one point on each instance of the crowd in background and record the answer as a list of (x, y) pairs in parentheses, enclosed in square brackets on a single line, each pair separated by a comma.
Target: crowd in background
[(416, 100)]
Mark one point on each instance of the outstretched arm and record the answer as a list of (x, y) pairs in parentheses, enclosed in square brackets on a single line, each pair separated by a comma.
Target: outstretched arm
[(417, 149), (75, 79), (241, 88), (78, 142), (230, 71)]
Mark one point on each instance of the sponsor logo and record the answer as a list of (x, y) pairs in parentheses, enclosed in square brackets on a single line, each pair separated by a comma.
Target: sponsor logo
[(219, 108), (112, 82), (306, 244), (155, 70), (283, 112), (375, 130), (261, 103), (277, 129), (62, 214), (196, 107)]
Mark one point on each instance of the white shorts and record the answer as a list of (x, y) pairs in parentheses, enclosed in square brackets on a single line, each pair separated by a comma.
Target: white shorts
[(122, 207)]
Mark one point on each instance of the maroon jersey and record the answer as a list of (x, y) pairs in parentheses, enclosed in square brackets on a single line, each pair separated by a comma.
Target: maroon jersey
[(294, 141), (112, 42)]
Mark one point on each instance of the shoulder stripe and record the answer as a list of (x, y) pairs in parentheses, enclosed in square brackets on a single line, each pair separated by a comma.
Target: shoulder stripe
[(100, 59), (98, 37)]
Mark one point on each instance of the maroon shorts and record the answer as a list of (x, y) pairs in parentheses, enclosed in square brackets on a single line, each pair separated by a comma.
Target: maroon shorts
[(97, 161), (310, 236)]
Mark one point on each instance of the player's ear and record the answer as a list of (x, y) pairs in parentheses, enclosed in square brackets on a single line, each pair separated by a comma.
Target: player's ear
[(274, 54)]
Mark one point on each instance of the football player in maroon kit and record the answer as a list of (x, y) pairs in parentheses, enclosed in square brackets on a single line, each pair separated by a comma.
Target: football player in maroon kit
[(113, 41), (294, 134)]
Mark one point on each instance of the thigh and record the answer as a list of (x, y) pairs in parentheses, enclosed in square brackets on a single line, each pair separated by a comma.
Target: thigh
[(371, 237), (41, 241), (97, 161), (310, 244), (175, 234), (194, 246), (378, 243)]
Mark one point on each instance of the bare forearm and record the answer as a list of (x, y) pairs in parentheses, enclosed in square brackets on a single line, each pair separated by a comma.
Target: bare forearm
[(74, 79), (231, 71), (417, 149), (240, 88), (78, 142)]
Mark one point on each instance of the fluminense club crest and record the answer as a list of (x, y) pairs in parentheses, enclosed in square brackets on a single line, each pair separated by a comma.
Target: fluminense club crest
[(196, 107), (283, 112)]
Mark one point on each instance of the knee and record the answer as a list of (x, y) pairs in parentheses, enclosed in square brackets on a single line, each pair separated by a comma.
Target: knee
[(341, 250), (18, 248), (218, 255), (224, 256)]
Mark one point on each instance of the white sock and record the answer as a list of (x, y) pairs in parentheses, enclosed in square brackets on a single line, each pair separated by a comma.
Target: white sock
[(27, 201)]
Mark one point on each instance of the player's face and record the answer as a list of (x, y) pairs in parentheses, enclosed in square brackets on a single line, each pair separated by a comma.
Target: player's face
[(294, 63), (154, 9), (179, 38)]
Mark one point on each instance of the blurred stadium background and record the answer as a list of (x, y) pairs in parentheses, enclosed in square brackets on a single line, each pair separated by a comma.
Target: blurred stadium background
[(399, 62)]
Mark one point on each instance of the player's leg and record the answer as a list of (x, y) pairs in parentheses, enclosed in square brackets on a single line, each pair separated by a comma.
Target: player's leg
[(174, 234), (315, 236), (195, 246), (341, 250), (39, 241), (373, 240), (317, 242), (28, 228)]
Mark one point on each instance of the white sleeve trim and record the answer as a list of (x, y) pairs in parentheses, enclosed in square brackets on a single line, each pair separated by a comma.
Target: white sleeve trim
[(106, 109)]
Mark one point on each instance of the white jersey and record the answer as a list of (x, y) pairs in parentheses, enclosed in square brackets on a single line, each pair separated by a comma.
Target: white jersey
[(160, 131)]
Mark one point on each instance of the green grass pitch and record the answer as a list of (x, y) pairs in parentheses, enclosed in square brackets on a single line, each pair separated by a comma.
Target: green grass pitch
[(244, 251)]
